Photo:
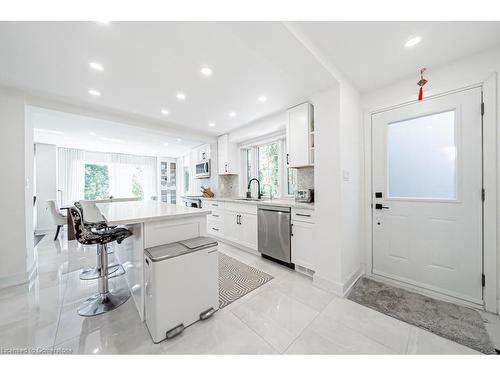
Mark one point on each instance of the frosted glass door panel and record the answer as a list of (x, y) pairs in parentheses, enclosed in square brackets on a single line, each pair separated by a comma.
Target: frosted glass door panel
[(421, 156)]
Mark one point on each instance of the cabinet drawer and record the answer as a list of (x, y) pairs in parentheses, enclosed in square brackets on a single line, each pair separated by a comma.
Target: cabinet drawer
[(216, 215), (213, 205), (215, 227), (303, 215), (243, 208)]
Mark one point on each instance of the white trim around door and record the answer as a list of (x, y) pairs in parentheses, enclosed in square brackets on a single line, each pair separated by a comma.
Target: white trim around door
[(490, 146)]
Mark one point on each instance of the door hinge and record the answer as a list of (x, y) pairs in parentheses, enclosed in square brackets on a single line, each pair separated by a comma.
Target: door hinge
[(483, 195), (482, 108), (483, 280)]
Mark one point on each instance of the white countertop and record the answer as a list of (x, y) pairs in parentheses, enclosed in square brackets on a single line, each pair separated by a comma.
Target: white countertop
[(263, 202), (119, 213)]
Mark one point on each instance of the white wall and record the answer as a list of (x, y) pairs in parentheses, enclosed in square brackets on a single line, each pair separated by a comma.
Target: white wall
[(338, 181), (16, 192), (46, 184), (472, 70), (352, 180)]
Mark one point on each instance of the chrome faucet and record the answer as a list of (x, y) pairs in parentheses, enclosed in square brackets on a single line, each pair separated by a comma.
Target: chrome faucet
[(259, 192)]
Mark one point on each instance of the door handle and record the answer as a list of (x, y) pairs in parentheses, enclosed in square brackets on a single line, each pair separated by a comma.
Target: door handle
[(238, 219), (379, 206)]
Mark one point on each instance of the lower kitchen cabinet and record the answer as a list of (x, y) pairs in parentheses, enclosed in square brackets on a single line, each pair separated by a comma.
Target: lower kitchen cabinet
[(241, 228), (302, 244)]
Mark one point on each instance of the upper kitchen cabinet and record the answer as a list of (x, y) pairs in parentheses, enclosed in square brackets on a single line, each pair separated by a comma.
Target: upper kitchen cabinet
[(202, 152), (300, 136), (227, 154)]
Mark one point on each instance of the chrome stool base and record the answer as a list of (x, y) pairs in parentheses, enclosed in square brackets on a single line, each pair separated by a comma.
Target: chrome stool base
[(99, 304), (93, 273)]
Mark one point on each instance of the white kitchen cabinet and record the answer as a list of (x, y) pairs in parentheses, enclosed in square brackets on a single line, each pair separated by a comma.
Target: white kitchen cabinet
[(227, 155), (231, 226), (241, 228), (300, 136), (248, 230), (203, 152), (303, 244)]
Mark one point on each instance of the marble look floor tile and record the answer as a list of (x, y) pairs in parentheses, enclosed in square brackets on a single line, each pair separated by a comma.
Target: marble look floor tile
[(302, 289), (381, 328), (221, 334), (424, 342), (277, 318), (338, 340)]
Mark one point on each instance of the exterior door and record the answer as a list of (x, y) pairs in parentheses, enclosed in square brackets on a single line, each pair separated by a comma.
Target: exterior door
[(427, 194)]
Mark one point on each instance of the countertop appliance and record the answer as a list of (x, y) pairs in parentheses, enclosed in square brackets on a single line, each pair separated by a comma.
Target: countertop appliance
[(202, 169), (274, 231), (182, 285), (304, 196), (192, 200)]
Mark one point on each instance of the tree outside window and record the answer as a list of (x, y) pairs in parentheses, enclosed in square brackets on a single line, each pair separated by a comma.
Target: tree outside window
[(137, 190), (268, 168), (96, 181)]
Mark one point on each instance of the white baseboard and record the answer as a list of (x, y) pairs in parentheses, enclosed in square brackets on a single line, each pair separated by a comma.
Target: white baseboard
[(328, 285), (339, 289), (351, 280)]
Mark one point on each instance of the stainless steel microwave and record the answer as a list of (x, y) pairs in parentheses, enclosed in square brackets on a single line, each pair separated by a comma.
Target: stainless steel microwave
[(202, 169)]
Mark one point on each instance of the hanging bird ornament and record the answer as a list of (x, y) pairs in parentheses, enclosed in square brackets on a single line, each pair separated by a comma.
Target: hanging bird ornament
[(421, 83)]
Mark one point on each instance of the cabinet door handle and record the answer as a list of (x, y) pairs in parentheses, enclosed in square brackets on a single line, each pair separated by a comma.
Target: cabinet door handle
[(215, 215), (287, 159), (305, 215), (215, 205), (215, 229), (291, 229), (226, 167)]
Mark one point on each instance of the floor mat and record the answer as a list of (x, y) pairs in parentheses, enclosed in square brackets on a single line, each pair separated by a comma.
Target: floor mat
[(457, 323), (237, 279)]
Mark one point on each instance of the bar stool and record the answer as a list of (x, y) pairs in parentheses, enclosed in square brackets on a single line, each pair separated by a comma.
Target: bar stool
[(105, 300), (114, 269)]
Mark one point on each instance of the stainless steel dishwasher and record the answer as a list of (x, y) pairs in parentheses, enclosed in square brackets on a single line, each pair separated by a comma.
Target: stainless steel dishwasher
[(274, 224)]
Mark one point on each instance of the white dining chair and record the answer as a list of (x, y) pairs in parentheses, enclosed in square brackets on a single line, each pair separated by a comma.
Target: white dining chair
[(57, 217)]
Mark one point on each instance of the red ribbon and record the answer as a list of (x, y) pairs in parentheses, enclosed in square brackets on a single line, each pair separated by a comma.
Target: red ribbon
[(420, 93)]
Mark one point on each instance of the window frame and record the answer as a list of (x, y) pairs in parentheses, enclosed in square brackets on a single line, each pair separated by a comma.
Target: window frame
[(282, 167)]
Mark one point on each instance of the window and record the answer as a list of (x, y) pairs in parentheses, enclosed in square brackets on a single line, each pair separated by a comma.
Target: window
[(137, 178), (267, 162), (421, 156), (96, 181)]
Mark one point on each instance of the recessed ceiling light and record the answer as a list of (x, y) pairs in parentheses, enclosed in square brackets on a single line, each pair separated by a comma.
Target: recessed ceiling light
[(211, 124), (180, 96), (178, 139), (104, 22), (232, 114), (165, 144), (96, 66), (206, 71), (48, 131), (94, 93), (413, 41), (262, 99), (164, 112), (92, 133)]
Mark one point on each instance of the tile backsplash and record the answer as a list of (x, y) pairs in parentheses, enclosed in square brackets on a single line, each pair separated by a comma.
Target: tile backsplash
[(305, 178), (228, 186)]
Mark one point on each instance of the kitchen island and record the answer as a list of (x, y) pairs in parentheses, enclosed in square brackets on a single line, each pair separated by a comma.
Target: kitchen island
[(152, 223)]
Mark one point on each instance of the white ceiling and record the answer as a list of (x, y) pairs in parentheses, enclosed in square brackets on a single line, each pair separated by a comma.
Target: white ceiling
[(73, 131), (147, 63), (372, 54)]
